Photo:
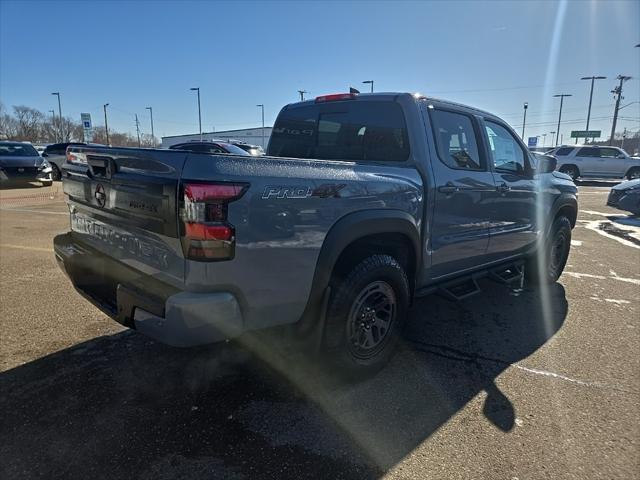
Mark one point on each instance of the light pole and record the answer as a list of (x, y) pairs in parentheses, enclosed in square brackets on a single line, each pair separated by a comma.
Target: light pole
[(153, 138), (302, 92), (561, 95), (197, 89), (544, 140), (593, 79), (524, 120), (262, 107), (370, 82), (106, 124), (59, 115), (552, 134), (53, 122)]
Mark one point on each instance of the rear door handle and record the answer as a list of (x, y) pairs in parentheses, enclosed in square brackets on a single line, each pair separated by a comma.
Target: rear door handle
[(449, 188), (503, 188)]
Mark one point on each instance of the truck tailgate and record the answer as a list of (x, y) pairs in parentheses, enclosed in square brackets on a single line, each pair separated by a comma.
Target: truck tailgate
[(123, 203)]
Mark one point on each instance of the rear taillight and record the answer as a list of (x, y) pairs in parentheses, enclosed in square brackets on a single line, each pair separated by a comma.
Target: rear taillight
[(207, 235), (336, 97), (76, 158)]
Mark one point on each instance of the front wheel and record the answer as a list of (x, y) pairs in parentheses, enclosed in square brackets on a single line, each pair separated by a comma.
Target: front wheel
[(547, 265), (365, 316), (633, 173), (55, 172)]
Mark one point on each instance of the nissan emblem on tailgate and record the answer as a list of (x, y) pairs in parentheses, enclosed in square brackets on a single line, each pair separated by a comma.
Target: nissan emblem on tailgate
[(100, 195)]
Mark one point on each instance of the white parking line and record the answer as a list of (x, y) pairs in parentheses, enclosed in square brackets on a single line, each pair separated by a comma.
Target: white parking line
[(23, 247), (32, 211)]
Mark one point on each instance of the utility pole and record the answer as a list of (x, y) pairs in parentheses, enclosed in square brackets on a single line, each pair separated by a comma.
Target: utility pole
[(593, 79), (262, 107), (153, 138), (524, 120), (106, 125), (138, 130), (561, 95), (617, 92), (370, 82), (302, 92), (197, 89), (59, 115)]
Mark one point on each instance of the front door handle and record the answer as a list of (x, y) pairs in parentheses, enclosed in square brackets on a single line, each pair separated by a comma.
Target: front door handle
[(503, 188), (449, 188)]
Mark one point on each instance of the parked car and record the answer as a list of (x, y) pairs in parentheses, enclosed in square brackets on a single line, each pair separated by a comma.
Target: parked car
[(255, 150), (21, 163), (592, 161), (397, 196), (210, 148), (56, 155), (626, 196)]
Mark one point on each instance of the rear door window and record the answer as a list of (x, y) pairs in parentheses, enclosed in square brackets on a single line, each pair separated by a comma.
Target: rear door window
[(352, 130), (456, 140), (587, 152)]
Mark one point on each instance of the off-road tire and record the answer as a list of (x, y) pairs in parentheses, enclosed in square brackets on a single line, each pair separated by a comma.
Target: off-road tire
[(378, 280), (554, 254)]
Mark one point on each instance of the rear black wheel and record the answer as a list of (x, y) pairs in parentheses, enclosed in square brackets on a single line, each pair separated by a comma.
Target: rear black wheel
[(570, 170), (548, 264), (365, 316)]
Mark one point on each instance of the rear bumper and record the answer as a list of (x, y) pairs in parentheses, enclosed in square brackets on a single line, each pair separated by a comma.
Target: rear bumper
[(158, 310)]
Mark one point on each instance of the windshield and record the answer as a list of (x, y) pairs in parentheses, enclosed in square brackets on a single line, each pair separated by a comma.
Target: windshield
[(234, 150), (17, 150)]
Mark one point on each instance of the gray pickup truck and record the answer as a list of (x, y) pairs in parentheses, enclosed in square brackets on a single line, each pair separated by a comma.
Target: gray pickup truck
[(362, 203)]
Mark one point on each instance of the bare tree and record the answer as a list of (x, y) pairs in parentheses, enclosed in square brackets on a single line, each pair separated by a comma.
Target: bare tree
[(29, 123), (8, 124)]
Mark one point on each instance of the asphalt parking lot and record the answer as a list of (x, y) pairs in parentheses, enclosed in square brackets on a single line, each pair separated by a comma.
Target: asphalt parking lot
[(504, 385)]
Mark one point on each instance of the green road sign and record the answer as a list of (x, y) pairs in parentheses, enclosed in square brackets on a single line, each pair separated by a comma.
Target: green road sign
[(585, 133)]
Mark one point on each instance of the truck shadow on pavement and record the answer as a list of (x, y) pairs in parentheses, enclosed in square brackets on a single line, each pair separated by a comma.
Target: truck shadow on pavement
[(124, 406)]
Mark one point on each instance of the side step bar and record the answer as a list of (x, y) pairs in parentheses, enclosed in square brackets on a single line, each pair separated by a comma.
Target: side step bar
[(508, 275), (459, 290), (511, 275)]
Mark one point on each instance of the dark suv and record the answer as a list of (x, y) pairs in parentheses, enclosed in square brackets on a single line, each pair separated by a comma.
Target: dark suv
[(55, 155)]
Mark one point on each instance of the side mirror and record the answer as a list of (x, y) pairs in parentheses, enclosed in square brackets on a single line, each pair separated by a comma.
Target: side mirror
[(547, 164), (621, 155), (44, 154)]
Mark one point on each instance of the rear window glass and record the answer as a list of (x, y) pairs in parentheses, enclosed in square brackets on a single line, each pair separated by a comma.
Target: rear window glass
[(564, 151), (355, 131)]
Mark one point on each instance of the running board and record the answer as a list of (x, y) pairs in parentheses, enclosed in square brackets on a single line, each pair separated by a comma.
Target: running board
[(508, 275), (459, 290)]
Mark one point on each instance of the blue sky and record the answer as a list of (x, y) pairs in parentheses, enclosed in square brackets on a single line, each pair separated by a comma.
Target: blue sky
[(491, 55)]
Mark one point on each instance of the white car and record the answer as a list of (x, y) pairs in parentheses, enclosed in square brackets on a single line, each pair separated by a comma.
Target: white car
[(592, 161)]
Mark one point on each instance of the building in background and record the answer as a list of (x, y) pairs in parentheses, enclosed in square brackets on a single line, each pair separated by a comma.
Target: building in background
[(247, 135)]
